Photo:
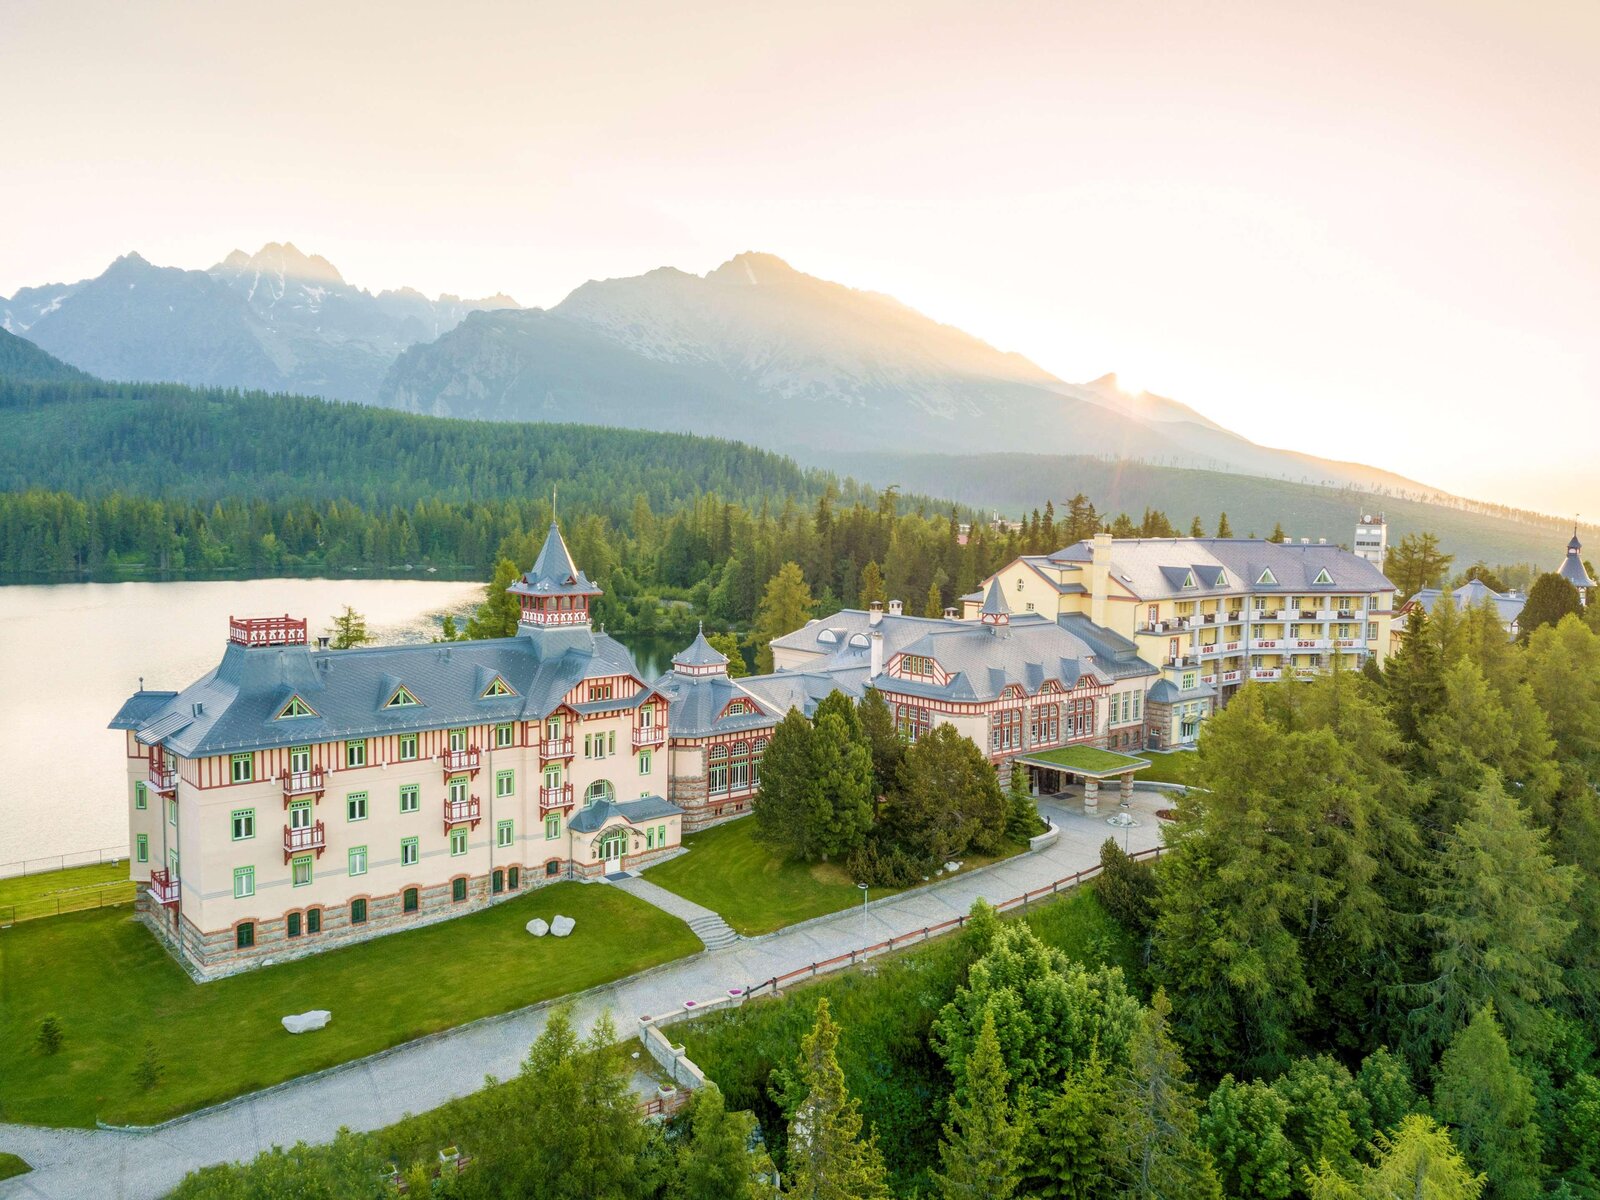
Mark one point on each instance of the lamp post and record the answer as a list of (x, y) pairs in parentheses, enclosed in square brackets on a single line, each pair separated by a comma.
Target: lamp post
[(863, 888)]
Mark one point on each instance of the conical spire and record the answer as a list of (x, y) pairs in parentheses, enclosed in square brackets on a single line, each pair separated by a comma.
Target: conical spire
[(1572, 568), (554, 592), (995, 609), (700, 657)]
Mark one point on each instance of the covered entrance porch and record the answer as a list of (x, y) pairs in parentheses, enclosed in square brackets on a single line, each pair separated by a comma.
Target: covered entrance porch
[(1052, 772)]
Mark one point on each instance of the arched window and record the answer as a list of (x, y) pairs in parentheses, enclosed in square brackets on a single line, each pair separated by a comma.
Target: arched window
[(408, 901), (739, 767), (553, 867), (717, 783), (757, 749), (599, 790)]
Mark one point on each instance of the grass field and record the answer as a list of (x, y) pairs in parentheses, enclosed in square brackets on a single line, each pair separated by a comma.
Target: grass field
[(730, 872), (24, 897), (1176, 767), (11, 1165), (115, 988)]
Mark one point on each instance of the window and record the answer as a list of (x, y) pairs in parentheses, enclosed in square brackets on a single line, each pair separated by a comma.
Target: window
[(717, 776), (244, 882), (1372, 631), (295, 708), (916, 664), (244, 824), (505, 783), (1044, 724), (497, 688), (408, 900), (1138, 706), (458, 739), (358, 860), (409, 852), (1323, 576), (1222, 580), (313, 920), (1005, 731), (244, 768), (458, 842), (355, 754), (1267, 579), (458, 789), (498, 882), (301, 873), (739, 767), (141, 797), (599, 691), (649, 839), (408, 797), (757, 749), (244, 935), (408, 747), (358, 912), (299, 760), (911, 722), (458, 890), (300, 814), (661, 835), (644, 762), (552, 826), (553, 867), (504, 736), (599, 790), (1189, 680), (513, 877), (1188, 580), (504, 833), (141, 847), (172, 812), (402, 698), (355, 806), (292, 925)]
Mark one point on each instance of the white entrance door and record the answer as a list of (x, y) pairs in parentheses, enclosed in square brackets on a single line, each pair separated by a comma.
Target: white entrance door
[(611, 848)]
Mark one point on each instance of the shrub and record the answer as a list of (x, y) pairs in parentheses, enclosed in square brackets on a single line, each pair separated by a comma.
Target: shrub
[(51, 1035)]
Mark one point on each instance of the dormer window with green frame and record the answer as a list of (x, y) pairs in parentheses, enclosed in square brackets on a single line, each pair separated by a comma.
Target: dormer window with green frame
[(295, 708), (402, 698), (1189, 580), (499, 687), (1323, 577), (1222, 580), (1268, 579)]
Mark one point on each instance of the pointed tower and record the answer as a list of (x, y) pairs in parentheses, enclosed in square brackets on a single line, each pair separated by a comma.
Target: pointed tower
[(554, 594), (700, 658), (996, 612), (1573, 570)]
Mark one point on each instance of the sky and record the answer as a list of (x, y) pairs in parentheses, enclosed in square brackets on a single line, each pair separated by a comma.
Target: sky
[(1364, 230)]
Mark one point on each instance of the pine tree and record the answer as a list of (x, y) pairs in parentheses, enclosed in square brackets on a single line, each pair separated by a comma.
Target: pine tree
[(828, 1159), (498, 615), (1242, 1127), (715, 1161), (349, 630), (1224, 530), (1488, 1103), (981, 1150)]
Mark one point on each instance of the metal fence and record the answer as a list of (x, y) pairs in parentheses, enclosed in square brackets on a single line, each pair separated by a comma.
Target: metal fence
[(105, 895), (61, 862)]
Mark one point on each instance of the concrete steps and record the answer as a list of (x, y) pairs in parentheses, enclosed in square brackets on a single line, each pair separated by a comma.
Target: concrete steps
[(713, 931)]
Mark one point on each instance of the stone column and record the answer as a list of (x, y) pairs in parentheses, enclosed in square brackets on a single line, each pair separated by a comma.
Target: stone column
[(1091, 793), (1033, 782), (1127, 787)]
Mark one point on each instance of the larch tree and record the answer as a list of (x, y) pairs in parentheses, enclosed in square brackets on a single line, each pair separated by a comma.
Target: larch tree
[(981, 1149), (349, 630), (1418, 1161), (828, 1158), (785, 606), (1487, 1102), (727, 645), (1416, 562)]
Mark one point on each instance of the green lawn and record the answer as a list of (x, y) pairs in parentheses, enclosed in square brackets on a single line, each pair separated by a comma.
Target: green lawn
[(1087, 758), (23, 897), (114, 988), (11, 1165), (755, 890), (1175, 767)]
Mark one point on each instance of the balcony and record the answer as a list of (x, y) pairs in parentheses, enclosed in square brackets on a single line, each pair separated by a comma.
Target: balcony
[(1183, 660), (163, 887), (1208, 680), (555, 797), (1266, 673), (1264, 643), (305, 838), (1310, 644), (1209, 649), (163, 777), (1307, 672), (458, 761), (556, 748), (1347, 614), (1208, 618), (1176, 625), (301, 783), (645, 736), (1231, 676), (1267, 614), (1234, 617), (1346, 643), (1308, 614), (457, 812)]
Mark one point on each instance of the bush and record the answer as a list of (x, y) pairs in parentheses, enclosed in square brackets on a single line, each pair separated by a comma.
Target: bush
[(51, 1035), (1126, 888)]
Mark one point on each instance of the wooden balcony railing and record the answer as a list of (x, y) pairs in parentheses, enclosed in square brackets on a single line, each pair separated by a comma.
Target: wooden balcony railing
[(555, 797), (303, 839), (457, 812), (648, 735), (457, 761), (556, 747), (163, 887), (163, 778), (301, 783)]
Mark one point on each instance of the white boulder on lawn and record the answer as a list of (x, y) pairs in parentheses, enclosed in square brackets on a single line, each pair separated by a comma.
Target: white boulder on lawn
[(538, 927), (562, 926), (307, 1021)]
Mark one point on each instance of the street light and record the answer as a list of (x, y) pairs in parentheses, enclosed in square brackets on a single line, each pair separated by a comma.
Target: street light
[(863, 888)]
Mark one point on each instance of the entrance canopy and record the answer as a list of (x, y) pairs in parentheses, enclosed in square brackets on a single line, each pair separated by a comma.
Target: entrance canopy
[(1085, 761)]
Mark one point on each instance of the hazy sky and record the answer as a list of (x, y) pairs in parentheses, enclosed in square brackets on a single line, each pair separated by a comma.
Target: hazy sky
[(1364, 230)]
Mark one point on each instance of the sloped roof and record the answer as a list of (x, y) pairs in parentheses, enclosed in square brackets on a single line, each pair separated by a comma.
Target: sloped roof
[(139, 707), (249, 687), (994, 604), (700, 653), (805, 689), (553, 572), (698, 702), (593, 818), (1572, 568), (1155, 568), (1508, 606)]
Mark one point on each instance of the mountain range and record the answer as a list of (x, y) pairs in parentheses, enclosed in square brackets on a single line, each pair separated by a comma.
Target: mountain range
[(754, 350), (277, 320)]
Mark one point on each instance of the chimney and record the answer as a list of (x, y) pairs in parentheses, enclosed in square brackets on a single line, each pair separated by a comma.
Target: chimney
[(875, 662), (1305, 541), (875, 613), (950, 614), (895, 608), (1099, 578), (196, 708), (322, 642), (1322, 541)]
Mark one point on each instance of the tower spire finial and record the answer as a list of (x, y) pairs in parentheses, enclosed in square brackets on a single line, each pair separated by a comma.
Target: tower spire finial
[(552, 502)]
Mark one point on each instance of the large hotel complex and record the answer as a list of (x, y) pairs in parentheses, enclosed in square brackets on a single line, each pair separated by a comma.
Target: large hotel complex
[(296, 798)]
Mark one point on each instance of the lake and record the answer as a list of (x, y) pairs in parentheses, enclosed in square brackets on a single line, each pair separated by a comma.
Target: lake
[(72, 653)]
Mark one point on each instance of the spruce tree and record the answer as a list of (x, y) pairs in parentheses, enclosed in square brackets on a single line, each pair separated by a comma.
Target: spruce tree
[(715, 1161), (1224, 530), (871, 589), (788, 792), (498, 615), (1064, 1158), (981, 1149), (828, 1158), (1242, 1127), (1488, 1103), (841, 793), (786, 605), (1022, 814), (934, 605), (883, 740)]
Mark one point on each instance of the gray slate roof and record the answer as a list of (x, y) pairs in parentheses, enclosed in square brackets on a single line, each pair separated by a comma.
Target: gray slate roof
[(553, 572), (805, 689), (700, 653), (347, 689), (1155, 568), (1474, 592), (697, 702), (1572, 568), (646, 808)]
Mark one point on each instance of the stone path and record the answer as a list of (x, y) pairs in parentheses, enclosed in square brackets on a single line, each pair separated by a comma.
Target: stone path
[(708, 926), (70, 1164)]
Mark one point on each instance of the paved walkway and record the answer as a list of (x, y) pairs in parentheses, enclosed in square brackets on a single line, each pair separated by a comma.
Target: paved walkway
[(713, 932), (70, 1164)]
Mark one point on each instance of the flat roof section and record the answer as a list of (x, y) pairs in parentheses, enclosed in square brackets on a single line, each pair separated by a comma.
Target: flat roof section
[(1086, 761)]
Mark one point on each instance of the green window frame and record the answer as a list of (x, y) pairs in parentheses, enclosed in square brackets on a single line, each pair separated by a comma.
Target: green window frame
[(141, 797), (505, 783), (408, 747), (504, 833), (357, 861), (410, 852), (244, 768), (358, 911), (355, 753), (291, 925), (244, 824), (504, 737), (552, 826), (458, 890), (649, 838), (458, 842), (661, 835), (645, 762), (409, 900), (244, 935), (408, 797), (355, 806), (244, 882), (141, 847), (313, 920), (300, 871), (172, 812)]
